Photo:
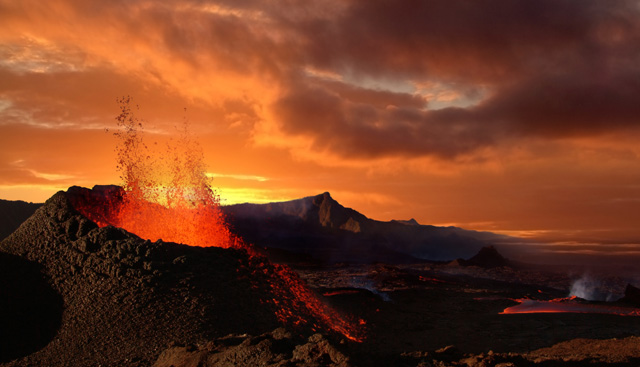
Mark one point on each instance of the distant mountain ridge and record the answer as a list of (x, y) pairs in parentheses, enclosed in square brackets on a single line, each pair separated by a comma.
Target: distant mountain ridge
[(321, 227), (321, 209), (13, 213)]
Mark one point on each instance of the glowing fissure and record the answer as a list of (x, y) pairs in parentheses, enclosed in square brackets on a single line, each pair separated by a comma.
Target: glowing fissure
[(567, 305), (336, 293), (171, 199)]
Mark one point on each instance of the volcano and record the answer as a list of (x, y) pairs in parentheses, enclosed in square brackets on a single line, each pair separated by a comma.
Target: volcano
[(116, 299)]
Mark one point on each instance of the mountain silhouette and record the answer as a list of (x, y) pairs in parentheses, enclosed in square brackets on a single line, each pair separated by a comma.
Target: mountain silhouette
[(321, 227), (13, 213)]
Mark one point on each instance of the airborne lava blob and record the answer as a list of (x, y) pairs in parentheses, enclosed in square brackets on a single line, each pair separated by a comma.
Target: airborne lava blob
[(171, 198), (167, 198)]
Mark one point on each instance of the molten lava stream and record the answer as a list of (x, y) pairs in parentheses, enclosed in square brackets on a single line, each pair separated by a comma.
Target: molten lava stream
[(567, 305), (339, 292)]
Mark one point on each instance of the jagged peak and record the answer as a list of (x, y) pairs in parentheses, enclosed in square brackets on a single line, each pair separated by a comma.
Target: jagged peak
[(410, 222), (322, 209), (321, 198)]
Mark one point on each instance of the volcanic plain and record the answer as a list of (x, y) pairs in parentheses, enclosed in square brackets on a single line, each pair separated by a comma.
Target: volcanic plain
[(76, 294)]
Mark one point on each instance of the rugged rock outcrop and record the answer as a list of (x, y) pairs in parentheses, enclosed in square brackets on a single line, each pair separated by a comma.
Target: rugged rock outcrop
[(631, 295), (277, 348)]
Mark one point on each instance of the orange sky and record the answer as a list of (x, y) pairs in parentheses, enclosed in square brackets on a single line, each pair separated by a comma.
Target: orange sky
[(521, 118)]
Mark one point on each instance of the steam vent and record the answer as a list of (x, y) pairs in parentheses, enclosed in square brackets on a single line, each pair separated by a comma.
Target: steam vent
[(106, 296)]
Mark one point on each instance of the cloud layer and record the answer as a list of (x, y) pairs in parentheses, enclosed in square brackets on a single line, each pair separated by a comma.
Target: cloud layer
[(348, 74)]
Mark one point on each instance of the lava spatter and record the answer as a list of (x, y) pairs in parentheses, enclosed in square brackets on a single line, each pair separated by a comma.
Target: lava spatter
[(172, 199)]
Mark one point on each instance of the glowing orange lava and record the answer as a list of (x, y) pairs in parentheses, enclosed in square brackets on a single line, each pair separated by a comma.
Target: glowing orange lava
[(430, 280), (336, 293), (172, 199), (571, 305)]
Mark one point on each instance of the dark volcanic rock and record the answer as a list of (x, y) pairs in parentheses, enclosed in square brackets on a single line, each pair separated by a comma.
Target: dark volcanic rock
[(631, 295), (125, 299), (30, 310), (589, 352), (277, 348)]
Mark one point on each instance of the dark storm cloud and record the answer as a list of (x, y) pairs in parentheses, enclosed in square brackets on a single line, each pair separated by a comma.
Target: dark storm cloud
[(549, 107), (546, 68), (355, 129), (471, 40), (552, 69), (568, 105)]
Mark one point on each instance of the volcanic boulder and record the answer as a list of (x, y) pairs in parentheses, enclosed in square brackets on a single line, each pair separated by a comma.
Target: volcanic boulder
[(125, 299), (631, 295), (277, 348)]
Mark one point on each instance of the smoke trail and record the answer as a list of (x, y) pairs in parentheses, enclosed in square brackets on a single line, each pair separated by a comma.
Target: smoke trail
[(584, 288), (589, 288)]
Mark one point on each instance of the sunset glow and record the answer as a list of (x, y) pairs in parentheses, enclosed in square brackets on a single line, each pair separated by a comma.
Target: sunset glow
[(517, 118)]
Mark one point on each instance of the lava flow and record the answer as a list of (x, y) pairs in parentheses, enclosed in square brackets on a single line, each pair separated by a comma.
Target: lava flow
[(564, 305), (339, 292), (175, 202)]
